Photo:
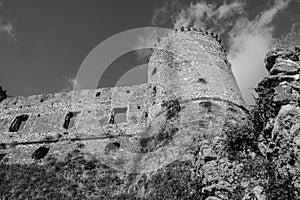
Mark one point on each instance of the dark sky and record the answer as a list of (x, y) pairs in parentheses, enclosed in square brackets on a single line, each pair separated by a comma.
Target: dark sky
[(53, 38)]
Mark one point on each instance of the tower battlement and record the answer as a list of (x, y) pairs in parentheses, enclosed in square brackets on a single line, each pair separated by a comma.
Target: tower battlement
[(202, 32)]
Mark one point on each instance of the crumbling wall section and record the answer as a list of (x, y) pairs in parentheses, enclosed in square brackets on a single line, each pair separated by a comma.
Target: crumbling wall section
[(53, 118)]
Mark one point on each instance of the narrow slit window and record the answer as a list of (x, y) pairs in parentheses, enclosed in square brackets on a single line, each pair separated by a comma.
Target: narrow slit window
[(154, 71), (119, 115), (18, 123), (154, 90), (70, 119)]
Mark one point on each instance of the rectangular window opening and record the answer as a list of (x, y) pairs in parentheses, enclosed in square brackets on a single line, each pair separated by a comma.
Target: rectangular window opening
[(70, 119), (118, 115), (18, 123)]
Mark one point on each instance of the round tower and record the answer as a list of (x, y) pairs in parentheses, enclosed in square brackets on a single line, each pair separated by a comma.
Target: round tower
[(195, 106), (188, 64)]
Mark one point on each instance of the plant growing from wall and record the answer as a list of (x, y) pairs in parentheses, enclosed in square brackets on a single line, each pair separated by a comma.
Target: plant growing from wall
[(3, 94)]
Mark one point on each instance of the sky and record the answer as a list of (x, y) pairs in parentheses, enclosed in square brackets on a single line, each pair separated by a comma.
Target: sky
[(44, 43)]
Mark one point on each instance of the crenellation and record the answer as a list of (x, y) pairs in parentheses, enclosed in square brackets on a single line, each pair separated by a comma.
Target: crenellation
[(209, 36)]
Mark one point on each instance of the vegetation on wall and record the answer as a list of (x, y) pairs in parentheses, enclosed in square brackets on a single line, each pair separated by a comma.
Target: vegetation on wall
[(3, 94)]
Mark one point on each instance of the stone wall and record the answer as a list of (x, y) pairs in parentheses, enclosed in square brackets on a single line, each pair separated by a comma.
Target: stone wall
[(95, 114)]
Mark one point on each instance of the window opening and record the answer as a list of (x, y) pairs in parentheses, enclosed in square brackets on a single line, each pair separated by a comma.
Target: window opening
[(70, 119), (40, 153), (18, 123), (118, 115)]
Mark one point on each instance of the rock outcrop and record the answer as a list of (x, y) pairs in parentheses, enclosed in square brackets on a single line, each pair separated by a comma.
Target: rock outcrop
[(278, 119)]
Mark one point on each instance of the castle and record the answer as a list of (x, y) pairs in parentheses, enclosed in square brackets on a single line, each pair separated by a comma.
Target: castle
[(190, 94), (186, 134)]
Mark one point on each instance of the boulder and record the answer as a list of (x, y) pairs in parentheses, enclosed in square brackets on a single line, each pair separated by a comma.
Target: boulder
[(288, 67), (285, 94), (286, 134), (279, 52), (282, 94)]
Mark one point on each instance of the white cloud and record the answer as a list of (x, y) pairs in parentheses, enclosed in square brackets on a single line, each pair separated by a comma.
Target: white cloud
[(201, 14), (195, 15), (148, 39), (248, 44), (227, 10), (6, 27), (248, 62), (72, 84), (267, 16)]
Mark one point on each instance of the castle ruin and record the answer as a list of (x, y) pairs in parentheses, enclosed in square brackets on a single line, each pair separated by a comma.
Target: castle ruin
[(179, 115)]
